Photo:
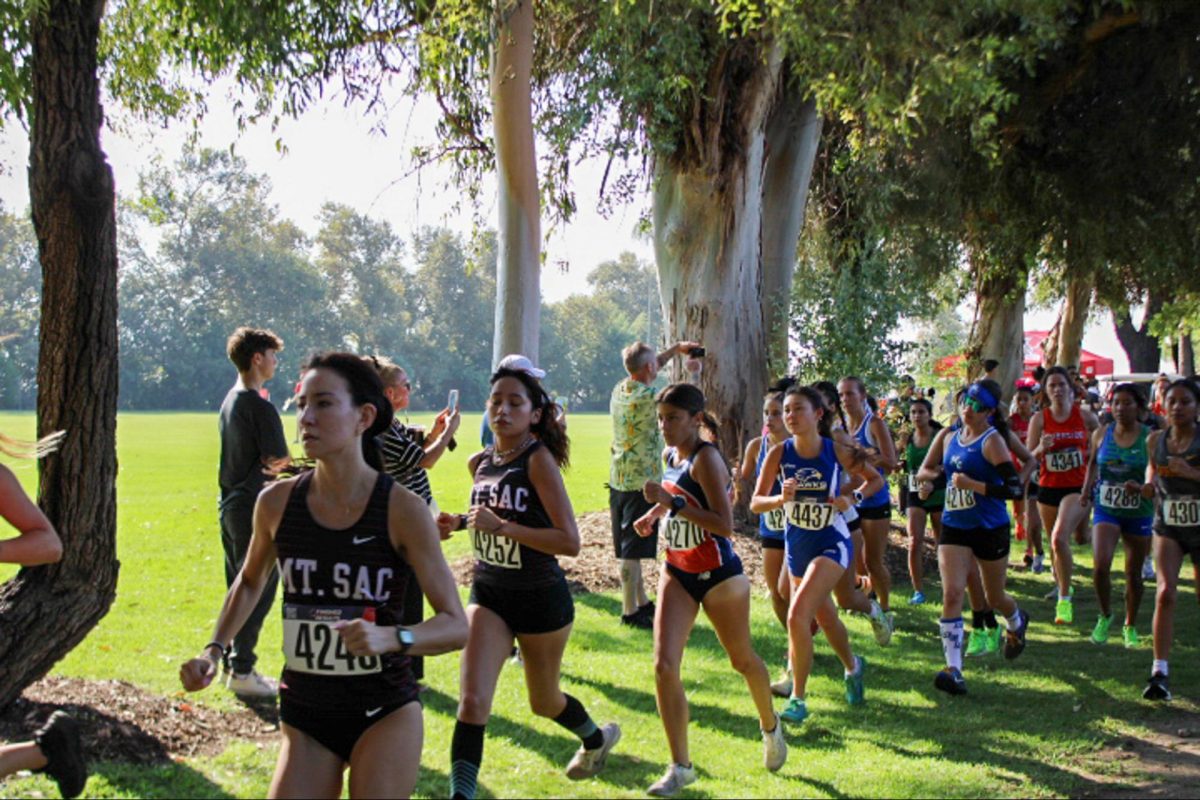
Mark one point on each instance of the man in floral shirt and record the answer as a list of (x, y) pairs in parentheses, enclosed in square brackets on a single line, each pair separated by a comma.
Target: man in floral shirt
[(636, 458)]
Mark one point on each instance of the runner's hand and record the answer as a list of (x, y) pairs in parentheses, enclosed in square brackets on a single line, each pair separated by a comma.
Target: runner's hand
[(789, 490), (364, 638), (961, 481), (197, 673), (482, 518), (1047, 443), (655, 493), (446, 524), (842, 503), (644, 525), (924, 489)]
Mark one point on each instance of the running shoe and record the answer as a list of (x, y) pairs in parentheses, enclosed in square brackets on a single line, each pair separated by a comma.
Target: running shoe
[(1014, 640), (1052, 594), (783, 686), (774, 747), (1148, 569), (1100, 632), (1157, 688), (587, 763), (251, 684), (976, 643), (991, 639), (59, 742), (1130, 635), (880, 625), (638, 620), (1038, 565), (1028, 559), (918, 598), (856, 692), (515, 658), (795, 712), (1064, 611), (673, 781), (950, 681)]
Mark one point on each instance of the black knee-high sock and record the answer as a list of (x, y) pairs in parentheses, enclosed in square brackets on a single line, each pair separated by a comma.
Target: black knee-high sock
[(989, 619), (575, 719), (466, 754)]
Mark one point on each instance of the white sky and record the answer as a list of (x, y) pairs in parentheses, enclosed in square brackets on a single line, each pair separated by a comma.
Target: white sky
[(333, 156)]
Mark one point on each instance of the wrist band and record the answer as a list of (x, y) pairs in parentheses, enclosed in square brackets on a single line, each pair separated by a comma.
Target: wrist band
[(462, 522), (220, 647)]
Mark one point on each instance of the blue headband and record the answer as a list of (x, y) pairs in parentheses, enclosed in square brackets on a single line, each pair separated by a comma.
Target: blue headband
[(980, 393)]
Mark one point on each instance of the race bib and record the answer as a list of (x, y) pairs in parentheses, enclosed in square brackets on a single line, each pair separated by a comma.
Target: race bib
[(1064, 460), (499, 551), (773, 520), (914, 485), (683, 534), (810, 516), (1114, 496), (312, 645), (959, 499), (1183, 512)]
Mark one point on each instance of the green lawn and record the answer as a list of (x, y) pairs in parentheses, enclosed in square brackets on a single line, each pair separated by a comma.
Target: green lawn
[(1023, 730)]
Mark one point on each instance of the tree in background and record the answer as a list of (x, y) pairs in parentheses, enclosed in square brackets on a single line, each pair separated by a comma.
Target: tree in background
[(20, 298)]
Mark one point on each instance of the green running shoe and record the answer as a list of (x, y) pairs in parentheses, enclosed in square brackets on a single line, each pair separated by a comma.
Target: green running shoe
[(1064, 612), (1129, 633), (977, 642), (855, 691), (796, 711), (1100, 632), (992, 638)]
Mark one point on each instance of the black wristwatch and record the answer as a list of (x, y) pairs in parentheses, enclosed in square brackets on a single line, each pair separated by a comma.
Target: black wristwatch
[(677, 504), (405, 638), (858, 497)]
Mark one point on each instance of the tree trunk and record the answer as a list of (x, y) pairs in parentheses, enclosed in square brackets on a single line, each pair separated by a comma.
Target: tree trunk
[(1186, 363), (1142, 347), (708, 220), (46, 611), (999, 329), (793, 133), (518, 265), (1074, 319)]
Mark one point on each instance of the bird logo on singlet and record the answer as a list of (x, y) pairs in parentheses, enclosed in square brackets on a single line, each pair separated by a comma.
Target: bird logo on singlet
[(810, 479)]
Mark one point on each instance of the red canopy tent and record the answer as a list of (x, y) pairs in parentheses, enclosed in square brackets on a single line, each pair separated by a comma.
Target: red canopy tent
[(1091, 365)]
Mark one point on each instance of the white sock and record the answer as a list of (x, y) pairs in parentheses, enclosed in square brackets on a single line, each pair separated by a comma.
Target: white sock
[(1066, 596), (852, 671), (1159, 666), (952, 641), (1014, 621)]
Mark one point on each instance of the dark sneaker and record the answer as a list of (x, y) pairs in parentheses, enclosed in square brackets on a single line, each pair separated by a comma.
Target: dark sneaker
[(1014, 640), (638, 619), (65, 762), (950, 681), (1157, 688)]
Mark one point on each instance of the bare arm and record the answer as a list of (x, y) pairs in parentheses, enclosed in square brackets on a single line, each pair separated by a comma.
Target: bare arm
[(872, 480), (1034, 436), (1093, 466), (931, 468), (709, 471), (674, 350), (36, 542), (887, 461), (563, 538), (750, 459), (763, 501), (443, 429)]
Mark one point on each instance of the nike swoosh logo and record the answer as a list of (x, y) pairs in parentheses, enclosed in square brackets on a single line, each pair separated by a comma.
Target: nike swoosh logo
[(362, 540), (373, 711)]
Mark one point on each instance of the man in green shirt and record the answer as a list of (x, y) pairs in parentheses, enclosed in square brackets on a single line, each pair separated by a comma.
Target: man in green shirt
[(636, 458)]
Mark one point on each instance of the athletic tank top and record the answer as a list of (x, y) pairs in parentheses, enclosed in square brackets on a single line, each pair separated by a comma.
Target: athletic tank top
[(1020, 426), (1117, 465), (914, 457), (864, 437), (1064, 465), (329, 576), (690, 547), (818, 481), (964, 508), (770, 524), (506, 490), (1179, 498)]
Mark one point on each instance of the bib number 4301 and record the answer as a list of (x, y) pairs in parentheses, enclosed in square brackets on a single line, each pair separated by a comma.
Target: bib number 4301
[(1183, 512)]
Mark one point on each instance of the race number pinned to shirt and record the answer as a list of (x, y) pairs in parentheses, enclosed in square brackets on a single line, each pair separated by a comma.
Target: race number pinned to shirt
[(1114, 496), (1183, 512), (311, 643), (773, 520), (1064, 460), (914, 485), (810, 516), (683, 534), (499, 551), (959, 499)]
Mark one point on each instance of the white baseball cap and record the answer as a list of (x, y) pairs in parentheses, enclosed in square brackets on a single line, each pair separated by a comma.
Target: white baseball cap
[(521, 364)]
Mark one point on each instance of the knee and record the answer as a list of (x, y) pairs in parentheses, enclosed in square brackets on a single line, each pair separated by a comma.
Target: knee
[(473, 707), (744, 662), (665, 669), (1165, 596), (952, 596)]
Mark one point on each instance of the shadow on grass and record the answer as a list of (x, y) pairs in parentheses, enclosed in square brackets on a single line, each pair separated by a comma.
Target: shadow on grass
[(159, 780)]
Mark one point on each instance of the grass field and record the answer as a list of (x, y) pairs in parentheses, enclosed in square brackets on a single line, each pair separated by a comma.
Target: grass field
[(1028, 727)]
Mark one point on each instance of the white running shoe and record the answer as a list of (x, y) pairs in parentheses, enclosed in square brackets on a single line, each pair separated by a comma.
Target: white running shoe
[(1148, 569), (774, 747), (881, 625), (251, 684), (673, 781), (783, 686), (587, 763)]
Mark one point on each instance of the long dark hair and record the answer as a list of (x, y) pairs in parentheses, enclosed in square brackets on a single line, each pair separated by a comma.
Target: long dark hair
[(998, 418), (688, 397), (829, 394), (1066, 377), (365, 389), (548, 429), (1182, 383), (1131, 389), (816, 399), (928, 406)]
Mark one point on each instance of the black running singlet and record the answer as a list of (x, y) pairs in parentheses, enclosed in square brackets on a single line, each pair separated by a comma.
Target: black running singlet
[(506, 490), (330, 576)]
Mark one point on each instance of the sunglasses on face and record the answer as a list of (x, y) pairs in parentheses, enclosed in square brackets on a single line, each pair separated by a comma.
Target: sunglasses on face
[(974, 405)]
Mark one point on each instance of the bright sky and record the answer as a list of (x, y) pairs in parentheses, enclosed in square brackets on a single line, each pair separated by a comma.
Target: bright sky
[(332, 156)]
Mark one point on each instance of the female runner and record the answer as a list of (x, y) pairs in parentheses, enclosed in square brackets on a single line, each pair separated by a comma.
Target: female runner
[(1029, 522), (1124, 507), (1061, 434), (1175, 472), (520, 520), (876, 509), (980, 476), (702, 571), (917, 445), (819, 548), (347, 540)]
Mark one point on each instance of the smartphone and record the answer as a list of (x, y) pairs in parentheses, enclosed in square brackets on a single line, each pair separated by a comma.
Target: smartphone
[(696, 352), (452, 401)]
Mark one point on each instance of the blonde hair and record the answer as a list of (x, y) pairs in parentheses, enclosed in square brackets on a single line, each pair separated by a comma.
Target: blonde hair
[(18, 448), (387, 369)]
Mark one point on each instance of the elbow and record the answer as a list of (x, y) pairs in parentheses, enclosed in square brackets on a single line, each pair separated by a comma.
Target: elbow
[(457, 635), (54, 551), (758, 504), (49, 551), (572, 547)]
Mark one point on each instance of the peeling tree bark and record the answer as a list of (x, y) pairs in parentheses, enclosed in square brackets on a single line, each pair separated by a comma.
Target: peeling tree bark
[(1073, 320), (46, 611), (793, 133), (1142, 347), (518, 267), (999, 329)]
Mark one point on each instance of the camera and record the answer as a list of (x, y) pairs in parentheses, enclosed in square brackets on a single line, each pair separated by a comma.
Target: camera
[(697, 352)]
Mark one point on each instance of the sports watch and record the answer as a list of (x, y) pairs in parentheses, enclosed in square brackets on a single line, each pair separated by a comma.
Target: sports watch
[(677, 504), (858, 497), (405, 638)]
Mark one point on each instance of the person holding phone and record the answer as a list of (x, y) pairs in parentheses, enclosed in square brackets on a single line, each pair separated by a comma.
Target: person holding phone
[(408, 453)]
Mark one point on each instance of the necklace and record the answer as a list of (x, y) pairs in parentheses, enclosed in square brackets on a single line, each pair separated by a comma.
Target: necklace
[(501, 455)]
